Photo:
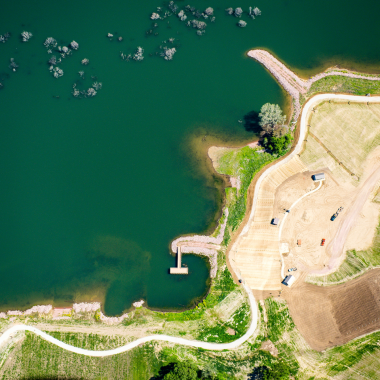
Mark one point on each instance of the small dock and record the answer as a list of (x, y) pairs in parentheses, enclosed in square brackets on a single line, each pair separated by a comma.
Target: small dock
[(178, 269)]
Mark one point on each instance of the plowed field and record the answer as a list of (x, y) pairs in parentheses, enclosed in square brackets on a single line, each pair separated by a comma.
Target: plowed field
[(330, 316)]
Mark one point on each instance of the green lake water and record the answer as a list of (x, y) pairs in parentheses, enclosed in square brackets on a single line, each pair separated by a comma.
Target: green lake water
[(93, 190)]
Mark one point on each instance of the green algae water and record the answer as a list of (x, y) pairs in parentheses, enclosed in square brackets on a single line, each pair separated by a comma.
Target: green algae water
[(94, 189)]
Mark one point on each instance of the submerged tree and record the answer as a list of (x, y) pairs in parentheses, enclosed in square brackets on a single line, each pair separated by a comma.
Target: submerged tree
[(209, 11), (168, 53), (238, 12), (26, 36), (181, 15), (53, 60), (256, 11), (139, 55), (57, 72), (74, 45), (5, 37), (50, 42), (13, 65)]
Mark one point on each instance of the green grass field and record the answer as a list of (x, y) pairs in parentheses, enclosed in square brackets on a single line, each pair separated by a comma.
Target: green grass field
[(336, 83)]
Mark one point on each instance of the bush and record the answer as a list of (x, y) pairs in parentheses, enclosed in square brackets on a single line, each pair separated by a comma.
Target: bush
[(278, 145), (182, 371), (278, 371)]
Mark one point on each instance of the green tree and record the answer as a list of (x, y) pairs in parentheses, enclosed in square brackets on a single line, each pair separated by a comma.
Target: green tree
[(182, 371), (277, 145), (271, 115), (278, 371)]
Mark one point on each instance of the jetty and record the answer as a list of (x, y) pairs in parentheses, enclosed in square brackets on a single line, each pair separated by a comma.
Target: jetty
[(178, 269)]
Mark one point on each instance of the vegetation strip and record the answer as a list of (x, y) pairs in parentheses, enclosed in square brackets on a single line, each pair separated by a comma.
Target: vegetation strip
[(193, 343)]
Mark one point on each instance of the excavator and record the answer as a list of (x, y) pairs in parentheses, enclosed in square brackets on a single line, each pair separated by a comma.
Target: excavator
[(336, 214)]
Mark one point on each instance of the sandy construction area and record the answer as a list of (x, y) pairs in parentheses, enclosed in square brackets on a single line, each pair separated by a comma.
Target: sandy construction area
[(343, 141), (256, 253)]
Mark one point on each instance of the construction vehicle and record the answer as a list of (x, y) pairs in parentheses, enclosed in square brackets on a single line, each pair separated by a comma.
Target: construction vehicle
[(299, 242), (323, 242), (336, 214)]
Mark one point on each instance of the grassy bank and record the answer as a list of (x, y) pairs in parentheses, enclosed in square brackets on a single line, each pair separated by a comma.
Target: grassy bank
[(242, 163), (34, 358), (344, 84)]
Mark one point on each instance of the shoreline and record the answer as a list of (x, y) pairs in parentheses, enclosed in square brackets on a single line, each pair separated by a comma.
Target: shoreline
[(293, 84), (207, 245)]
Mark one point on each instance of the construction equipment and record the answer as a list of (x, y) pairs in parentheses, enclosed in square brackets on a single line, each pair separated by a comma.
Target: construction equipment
[(323, 242), (299, 242), (336, 214)]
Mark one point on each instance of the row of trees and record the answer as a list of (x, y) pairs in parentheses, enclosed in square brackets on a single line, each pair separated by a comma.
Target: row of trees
[(274, 133), (188, 371)]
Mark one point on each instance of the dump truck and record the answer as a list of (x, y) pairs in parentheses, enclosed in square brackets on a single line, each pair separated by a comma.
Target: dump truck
[(299, 242), (323, 242)]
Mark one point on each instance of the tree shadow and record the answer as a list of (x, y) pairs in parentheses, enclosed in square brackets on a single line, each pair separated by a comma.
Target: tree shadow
[(251, 122), (258, 373), (163, 371)]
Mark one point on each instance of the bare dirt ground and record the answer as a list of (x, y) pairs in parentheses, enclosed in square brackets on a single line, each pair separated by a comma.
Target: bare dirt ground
[(333, 315), (329, 316), (256, 253)]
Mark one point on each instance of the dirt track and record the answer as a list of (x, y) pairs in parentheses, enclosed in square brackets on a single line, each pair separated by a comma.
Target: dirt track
[(335, 248)]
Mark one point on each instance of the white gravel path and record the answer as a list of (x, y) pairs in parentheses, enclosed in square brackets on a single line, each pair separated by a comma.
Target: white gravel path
[(166, 338)]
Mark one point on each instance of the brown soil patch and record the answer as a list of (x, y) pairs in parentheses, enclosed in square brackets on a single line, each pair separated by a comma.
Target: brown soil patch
[(270, 347), (230, 331), (330, 316)]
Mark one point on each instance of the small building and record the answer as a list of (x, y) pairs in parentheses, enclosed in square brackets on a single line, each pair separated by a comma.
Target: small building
[(289, 280), (275, 221), (318, 177)]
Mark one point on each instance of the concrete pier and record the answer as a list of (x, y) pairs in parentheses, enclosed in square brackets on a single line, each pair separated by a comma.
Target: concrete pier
[(179, 269)]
